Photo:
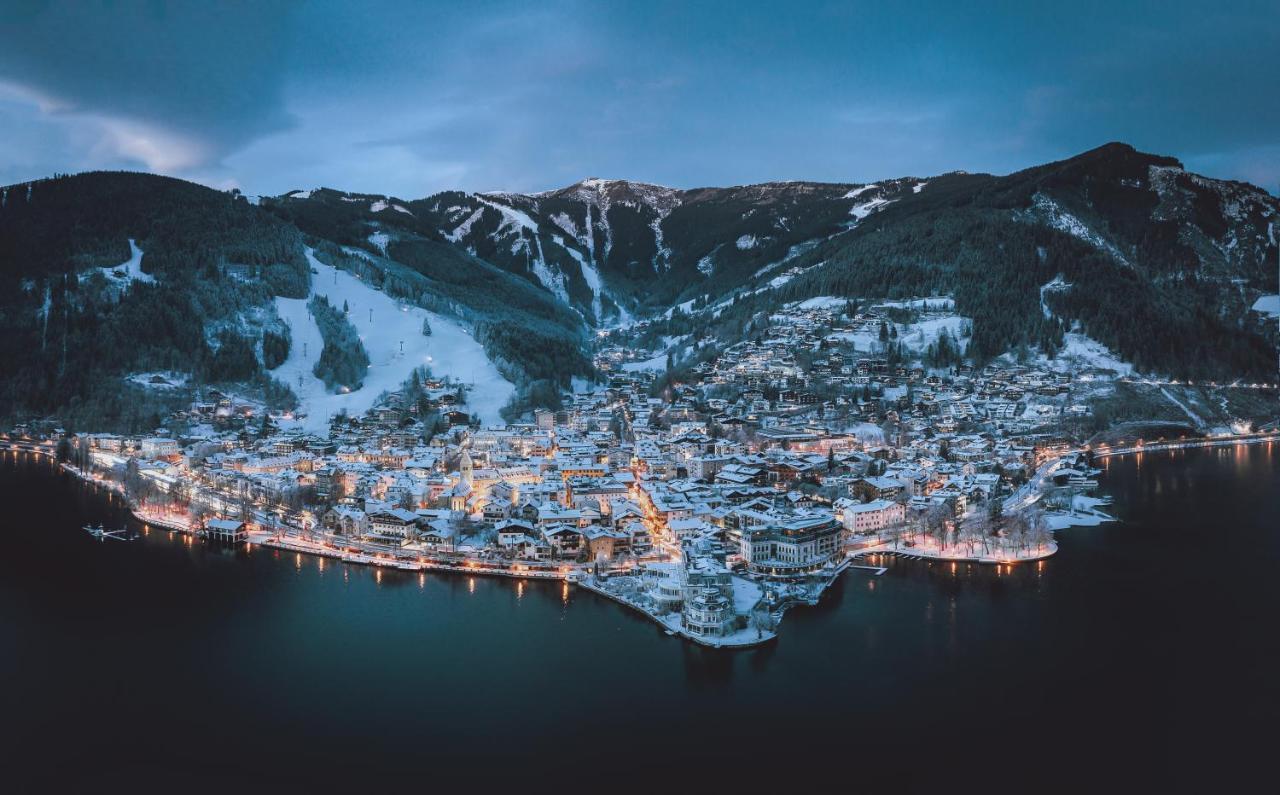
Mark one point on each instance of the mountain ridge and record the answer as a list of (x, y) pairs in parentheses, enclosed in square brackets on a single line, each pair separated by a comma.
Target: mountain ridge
[(1160, 264)]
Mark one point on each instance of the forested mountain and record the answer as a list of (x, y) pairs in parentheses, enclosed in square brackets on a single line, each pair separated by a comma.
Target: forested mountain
[(1159, 264), (105, 274), (610, 248)]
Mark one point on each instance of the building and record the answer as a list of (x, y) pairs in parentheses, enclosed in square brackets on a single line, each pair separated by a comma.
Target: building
[(708, 613), (227, 531), (868, 517), (791, 549), (393, 526)]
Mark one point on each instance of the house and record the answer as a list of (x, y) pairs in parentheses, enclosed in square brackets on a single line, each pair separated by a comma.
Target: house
[(875, 488), (605, 544), (565, 540), (437, 534), (345, 520), (394, 526), (511, 533), (871, 516)]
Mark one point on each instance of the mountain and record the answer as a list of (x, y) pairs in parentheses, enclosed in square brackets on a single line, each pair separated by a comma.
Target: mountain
[(1159, 264), (612, 248), (108, 274)]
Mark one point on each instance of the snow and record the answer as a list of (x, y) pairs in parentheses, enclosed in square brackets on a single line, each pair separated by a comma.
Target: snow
[(1195, 418), (867, 433), (861, 211), (301, 194), (919, 186), (663, 251), (449, 351), (566, 223), (933, 303), (169, 380), (511, 217), (589, 273), (1083, 513), (380, 239), (128, 271), (707, 266), (746, 242), (1058, 284), (401, 209), (378, 206), (822, 302), (658, 363), (856, 192), (746, 595), (1064, 221), (464, 228), (1268, 305), (553, 281), (918, 336), (1081, 350)]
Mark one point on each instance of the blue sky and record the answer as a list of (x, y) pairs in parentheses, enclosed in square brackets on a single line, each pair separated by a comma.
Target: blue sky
[(408, 98)]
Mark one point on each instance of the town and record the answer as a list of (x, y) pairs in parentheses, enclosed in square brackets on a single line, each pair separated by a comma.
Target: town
[(711, 494)]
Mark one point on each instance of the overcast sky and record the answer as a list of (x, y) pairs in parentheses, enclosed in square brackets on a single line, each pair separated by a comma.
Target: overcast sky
[(408, 98)]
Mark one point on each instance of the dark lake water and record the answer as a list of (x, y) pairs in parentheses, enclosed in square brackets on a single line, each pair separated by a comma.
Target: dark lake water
[(1144, 654)]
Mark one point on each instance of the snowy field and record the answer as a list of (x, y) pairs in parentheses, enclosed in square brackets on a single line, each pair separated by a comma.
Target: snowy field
[(658, 363), (392, 334), (917, 337), (128, 271), (1080, 350)]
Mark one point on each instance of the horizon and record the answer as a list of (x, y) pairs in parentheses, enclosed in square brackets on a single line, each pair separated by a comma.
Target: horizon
[(409, 100), (554, 189)]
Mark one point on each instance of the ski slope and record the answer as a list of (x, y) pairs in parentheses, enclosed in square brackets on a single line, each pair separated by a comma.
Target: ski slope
[(392, 335)]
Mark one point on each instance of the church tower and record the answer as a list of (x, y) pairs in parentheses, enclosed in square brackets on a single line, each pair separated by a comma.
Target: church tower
[(466, 467)]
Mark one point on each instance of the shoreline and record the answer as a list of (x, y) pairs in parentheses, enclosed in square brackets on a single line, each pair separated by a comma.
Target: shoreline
[(578, 574)]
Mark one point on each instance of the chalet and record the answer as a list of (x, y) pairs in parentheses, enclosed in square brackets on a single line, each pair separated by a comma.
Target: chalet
[(393, 525), (511, 533), (565, 540), (875, 488)]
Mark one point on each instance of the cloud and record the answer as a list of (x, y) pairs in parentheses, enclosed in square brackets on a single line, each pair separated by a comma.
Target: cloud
[(168, 85), (411, 97)]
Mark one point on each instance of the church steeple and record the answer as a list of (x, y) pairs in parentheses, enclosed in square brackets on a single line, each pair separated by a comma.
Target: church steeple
[(465, 467)]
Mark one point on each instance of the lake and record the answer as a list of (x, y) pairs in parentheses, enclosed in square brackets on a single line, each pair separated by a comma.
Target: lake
[(1142, 654)]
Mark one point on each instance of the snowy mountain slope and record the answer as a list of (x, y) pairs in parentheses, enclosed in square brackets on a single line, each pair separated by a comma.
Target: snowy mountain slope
[(391, 332), (610, 248)]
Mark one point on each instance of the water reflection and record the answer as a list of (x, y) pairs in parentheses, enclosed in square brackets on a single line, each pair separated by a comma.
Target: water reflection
[(863, 669)]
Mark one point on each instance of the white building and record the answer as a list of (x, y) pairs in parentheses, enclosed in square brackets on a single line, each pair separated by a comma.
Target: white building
[(871, 516)]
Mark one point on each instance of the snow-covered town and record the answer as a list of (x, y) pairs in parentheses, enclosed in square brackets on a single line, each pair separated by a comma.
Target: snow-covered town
[(710, 498)]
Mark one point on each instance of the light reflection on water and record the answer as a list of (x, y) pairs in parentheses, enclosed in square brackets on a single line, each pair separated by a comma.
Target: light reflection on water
[(882, 659)]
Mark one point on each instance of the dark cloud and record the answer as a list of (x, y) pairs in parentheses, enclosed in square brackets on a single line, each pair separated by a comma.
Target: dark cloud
[(209, 75), (409, 97)]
